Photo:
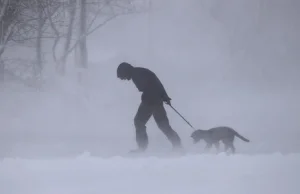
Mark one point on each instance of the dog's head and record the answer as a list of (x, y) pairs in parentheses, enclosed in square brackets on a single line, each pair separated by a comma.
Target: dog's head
[(197, 135)]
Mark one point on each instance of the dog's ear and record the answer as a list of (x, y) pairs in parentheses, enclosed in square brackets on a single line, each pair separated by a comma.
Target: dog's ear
[(193, 134)]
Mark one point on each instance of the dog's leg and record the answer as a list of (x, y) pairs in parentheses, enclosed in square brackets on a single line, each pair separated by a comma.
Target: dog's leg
[(226, 147), (217, 145), (232, 148), (208, 146), (229, 145)]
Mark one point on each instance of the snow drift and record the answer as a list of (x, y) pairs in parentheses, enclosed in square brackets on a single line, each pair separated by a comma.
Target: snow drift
[(214, 174)]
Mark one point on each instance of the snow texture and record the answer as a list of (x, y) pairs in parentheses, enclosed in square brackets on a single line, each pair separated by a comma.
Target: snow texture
[(213, 174), (233, 63)]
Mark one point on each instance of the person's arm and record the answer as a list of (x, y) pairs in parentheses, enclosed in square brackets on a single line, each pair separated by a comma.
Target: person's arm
[(151, 83), (162, 91)]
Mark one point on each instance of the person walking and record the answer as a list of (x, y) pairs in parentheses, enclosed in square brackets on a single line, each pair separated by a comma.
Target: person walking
[(152, 99)]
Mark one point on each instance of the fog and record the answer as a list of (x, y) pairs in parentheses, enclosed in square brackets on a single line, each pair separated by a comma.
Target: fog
[(233, 63)]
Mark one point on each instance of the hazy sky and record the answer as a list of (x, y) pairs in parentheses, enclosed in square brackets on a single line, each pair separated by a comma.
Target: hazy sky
[(233, 63)]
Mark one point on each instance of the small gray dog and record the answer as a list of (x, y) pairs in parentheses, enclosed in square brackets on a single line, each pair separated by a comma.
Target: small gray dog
[(216, 134)]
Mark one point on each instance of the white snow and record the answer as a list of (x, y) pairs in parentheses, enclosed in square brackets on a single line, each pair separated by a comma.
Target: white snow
[(193, 174), (222, 65), (215, 73)]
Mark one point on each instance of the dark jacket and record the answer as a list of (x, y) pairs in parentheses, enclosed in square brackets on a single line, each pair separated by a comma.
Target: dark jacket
[(147, 82)]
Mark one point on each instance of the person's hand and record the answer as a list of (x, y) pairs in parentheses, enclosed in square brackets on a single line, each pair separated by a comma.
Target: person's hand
[(168, 101)]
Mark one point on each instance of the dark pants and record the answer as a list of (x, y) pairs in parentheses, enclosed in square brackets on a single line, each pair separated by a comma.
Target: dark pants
[(142, 116)]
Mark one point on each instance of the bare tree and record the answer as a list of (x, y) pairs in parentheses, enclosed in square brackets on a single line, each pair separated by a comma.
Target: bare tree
[(71, 13), (41, 21), (30, 22), (81, 54), (8, 15), (22, 23), (1, 71), (86, 17), (29, 27)]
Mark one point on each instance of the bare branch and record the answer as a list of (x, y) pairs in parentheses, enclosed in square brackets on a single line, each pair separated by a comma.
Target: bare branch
[(2, 10), (96, 15), (55, 31)]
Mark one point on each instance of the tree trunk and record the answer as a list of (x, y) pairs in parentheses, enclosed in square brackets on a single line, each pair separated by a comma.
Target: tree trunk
[(1, 70), (8, 13), (82, 51), (7, 16), (71, 14), (39, 63)]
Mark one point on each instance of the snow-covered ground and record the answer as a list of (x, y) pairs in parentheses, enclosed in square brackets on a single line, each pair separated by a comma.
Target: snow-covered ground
[(193, 174), (216, 70)]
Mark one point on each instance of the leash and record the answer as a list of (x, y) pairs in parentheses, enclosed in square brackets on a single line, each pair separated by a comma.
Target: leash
[(182, 117)]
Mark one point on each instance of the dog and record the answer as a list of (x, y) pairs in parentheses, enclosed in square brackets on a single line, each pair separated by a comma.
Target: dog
[(214, 135)]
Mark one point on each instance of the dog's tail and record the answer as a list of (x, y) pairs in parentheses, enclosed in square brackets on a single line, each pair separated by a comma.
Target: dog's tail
[(241, 137)]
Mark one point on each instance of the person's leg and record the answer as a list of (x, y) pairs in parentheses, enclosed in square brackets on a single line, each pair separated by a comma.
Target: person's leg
[(162, 121), (141, 118)]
